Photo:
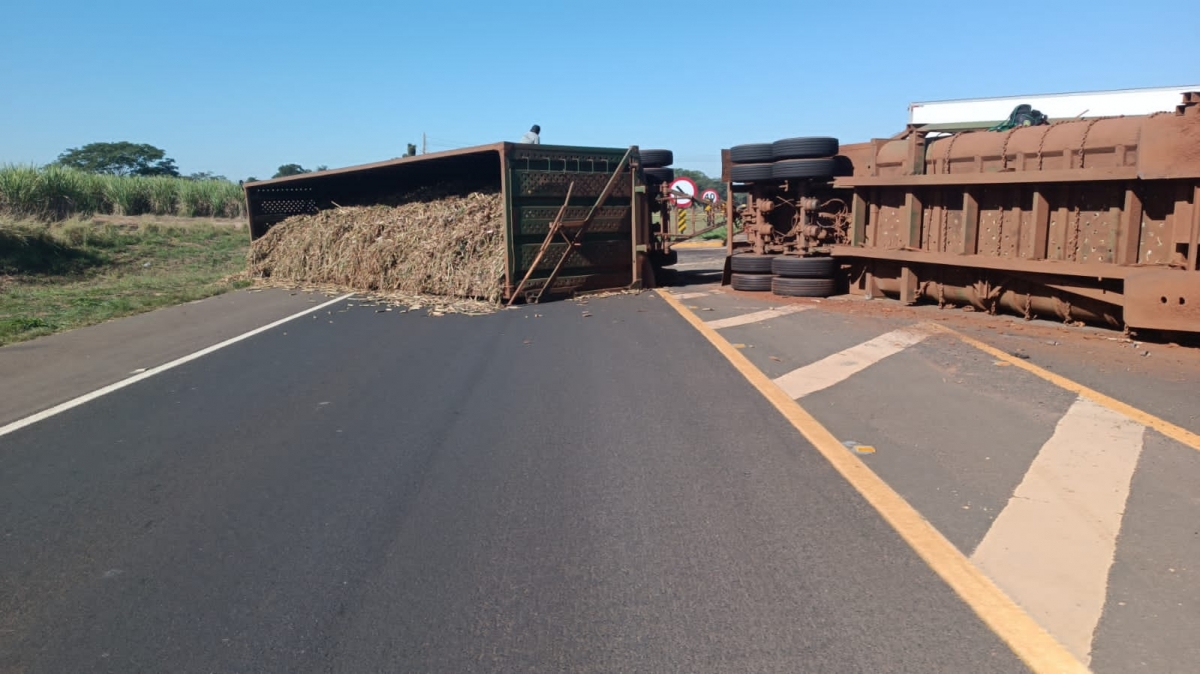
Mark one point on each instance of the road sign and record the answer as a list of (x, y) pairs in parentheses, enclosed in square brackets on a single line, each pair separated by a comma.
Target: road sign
[(686, 186), (710, 195), (683, 220)]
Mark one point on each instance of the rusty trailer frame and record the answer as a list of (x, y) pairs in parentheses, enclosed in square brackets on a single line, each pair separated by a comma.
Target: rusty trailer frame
[(1085, 220), (606, 191)]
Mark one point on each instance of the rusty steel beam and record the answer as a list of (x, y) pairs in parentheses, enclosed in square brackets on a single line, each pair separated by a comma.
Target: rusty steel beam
[(1129, 229), (1041, 225), (1055, 267), (970, 224), (858, 219), (992, 178), (909, 286), (1193, 262), (913, 212)]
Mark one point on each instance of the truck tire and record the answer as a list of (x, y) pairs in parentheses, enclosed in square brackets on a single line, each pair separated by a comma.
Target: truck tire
[(754, 153), (750, 282), (803, 267), (750, 263), (803, 168), (660, 259), (749, 173), (803, 287), (804, 148), (659, 175), (656, 158)]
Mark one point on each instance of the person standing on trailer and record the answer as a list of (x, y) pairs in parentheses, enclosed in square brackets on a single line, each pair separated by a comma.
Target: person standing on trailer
[(533, 135)]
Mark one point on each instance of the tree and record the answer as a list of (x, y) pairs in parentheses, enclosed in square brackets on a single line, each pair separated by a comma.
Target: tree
[(206, 175), (290, 170), (122, 159), (412, 151), (322, 167), (703, 182)]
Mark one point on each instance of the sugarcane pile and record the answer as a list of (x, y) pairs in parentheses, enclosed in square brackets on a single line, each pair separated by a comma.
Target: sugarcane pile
[(432, 244)]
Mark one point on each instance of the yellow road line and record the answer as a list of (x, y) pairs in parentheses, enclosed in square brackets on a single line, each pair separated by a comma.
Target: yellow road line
[(1145, 418), (699, 244), (1032, 644)]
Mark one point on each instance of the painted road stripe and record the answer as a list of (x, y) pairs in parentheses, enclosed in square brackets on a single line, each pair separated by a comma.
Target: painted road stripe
[(746, 319), (844, 364), (1052, 546), (1027, 639), (88, 397), (692, 296), (1146, 419)]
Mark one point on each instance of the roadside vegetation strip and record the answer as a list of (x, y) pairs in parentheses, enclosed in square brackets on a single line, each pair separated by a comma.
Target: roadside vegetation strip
[(53, 193), (129, 381), (1163, 426), (66, 275), (1027, 639)]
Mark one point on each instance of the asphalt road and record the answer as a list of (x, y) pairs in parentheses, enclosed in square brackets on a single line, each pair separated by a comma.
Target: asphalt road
[(531, 491)]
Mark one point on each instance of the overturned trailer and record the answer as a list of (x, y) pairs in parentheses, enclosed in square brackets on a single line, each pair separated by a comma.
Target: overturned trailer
[(577, 219), (1091, 219)]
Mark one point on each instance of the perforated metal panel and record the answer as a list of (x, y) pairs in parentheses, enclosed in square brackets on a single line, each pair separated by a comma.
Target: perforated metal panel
[(538, 180)]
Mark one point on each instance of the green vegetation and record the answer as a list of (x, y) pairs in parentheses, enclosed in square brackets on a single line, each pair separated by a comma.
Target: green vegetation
[(293, 170), (54, 193), (81, 272), (119, 159), (703, 182)]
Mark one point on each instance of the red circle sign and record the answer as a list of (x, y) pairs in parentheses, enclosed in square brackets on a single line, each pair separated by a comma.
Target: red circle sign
[(686, 186), (710, 195)]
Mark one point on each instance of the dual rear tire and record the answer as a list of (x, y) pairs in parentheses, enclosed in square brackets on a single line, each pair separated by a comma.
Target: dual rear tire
[(784, 275)]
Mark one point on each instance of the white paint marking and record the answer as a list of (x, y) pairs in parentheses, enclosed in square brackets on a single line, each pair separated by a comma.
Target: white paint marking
[(691, 296), (755, 317), (88, 397), (1052, 546), (844, 364)]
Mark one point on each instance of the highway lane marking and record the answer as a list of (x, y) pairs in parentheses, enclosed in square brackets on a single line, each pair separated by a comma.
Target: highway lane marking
[(692, 296), (1053, 544), (844, 364), (765, 314), (1040, 651), (128, 381), (1146, 419)]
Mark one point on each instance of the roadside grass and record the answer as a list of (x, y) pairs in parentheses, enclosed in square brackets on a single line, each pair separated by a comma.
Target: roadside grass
[(56, 277)]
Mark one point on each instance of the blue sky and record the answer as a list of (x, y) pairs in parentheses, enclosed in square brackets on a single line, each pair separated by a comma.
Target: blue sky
[(239, 88)]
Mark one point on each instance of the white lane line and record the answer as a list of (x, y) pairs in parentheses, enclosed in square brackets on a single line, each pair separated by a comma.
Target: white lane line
[(844, 364), (88, 397), (746, 319), (1052, 546), (691, 296)]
